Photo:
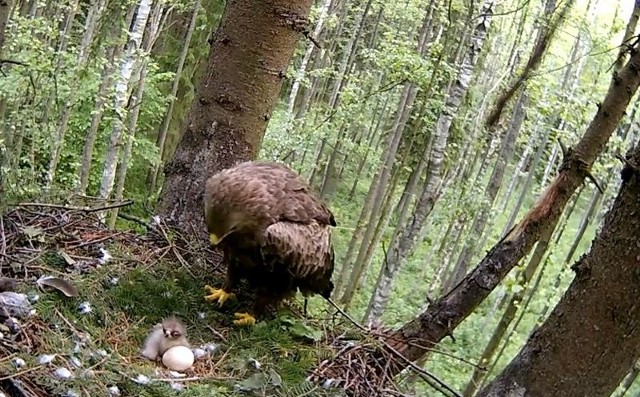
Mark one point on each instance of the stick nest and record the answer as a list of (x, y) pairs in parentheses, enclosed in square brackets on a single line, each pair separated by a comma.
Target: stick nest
[(62, 240)]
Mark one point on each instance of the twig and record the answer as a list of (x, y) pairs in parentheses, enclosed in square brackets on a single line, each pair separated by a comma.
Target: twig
[(178, 379), (71, 326), (216, 333), (627, 163), (4, 239), (75, 208), (307, 34), (24, 371), (135, 219), (348, 317), (410, 363), (175, 251), (592, 178), (422, 371)]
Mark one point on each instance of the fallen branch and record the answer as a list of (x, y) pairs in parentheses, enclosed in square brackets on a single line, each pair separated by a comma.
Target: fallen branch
[(444, 315), (382, 338), (76, 208)]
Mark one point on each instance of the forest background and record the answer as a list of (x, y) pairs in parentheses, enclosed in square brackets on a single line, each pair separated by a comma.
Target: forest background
[(384, 108)]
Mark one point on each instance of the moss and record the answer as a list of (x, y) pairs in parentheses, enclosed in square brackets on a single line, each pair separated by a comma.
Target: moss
[(127, 296)]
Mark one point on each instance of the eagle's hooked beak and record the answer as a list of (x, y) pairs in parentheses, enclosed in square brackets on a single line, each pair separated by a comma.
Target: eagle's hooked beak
[(213, 239)]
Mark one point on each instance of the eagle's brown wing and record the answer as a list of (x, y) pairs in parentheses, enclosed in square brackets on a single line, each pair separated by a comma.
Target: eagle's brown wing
[(307, 250), (270, 191)]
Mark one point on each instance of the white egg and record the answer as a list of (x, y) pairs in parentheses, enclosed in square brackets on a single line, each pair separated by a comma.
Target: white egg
[(178, 358)]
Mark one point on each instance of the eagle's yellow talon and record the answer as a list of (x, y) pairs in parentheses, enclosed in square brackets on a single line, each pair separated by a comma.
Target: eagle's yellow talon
[(244, 319), (217, 295)]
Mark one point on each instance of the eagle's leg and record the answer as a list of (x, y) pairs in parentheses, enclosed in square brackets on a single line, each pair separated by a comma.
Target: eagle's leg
[(249, 318), (230, 283), (304, 308)]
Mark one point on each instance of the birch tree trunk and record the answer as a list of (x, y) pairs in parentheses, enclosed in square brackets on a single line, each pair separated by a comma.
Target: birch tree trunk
[(150, 37), (121, 96), (254, 42), (302, 70), (92, 21), (105, 90), (152, 178), (403, 245)]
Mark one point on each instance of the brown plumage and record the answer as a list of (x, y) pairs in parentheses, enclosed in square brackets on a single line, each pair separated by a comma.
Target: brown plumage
[(274, 232)]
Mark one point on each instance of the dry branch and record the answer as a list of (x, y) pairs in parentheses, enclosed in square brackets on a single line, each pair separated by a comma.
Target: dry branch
[(414, 339), (541, 46), (449, 311)]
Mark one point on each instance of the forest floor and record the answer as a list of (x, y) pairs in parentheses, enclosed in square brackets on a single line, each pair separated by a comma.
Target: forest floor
[(126, 282)]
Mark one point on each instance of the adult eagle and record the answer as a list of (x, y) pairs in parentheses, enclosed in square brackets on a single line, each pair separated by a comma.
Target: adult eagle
[(274, 232)]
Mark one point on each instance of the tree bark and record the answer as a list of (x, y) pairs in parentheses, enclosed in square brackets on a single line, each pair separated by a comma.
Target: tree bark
[(449, 311), (302, 70), (122, 90), (545, 34), (155, 25), (628, 34), (5, 12), (152, 177), (592, 338), (249, 55), (491, 191)]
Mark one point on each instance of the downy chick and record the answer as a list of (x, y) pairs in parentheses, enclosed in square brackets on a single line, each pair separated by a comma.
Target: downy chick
[(171, 332)]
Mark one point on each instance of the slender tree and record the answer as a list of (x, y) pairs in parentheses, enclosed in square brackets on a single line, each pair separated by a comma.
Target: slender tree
[(445, 314), (152, 178), (123, 88), (404, 241), (5, 12), (546, 32)]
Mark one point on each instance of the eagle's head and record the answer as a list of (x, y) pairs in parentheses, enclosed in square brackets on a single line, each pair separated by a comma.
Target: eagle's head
[(222, 223)]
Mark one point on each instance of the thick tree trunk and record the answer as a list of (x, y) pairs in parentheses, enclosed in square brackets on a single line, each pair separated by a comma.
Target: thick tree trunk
[(445, 314), (592, 338), (249, 55)]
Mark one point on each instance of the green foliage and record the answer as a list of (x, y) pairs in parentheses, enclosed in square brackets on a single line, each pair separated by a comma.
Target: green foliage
[(339, 145)]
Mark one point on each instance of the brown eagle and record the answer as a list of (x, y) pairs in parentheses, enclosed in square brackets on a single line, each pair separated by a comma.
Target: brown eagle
[(274, 232)]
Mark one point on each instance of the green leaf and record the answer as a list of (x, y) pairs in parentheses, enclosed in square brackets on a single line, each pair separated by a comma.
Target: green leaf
[(256, 381), (301, 329), (275, 378)]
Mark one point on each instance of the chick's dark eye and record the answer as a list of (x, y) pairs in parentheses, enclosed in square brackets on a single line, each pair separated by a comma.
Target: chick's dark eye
[(175, 334)]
